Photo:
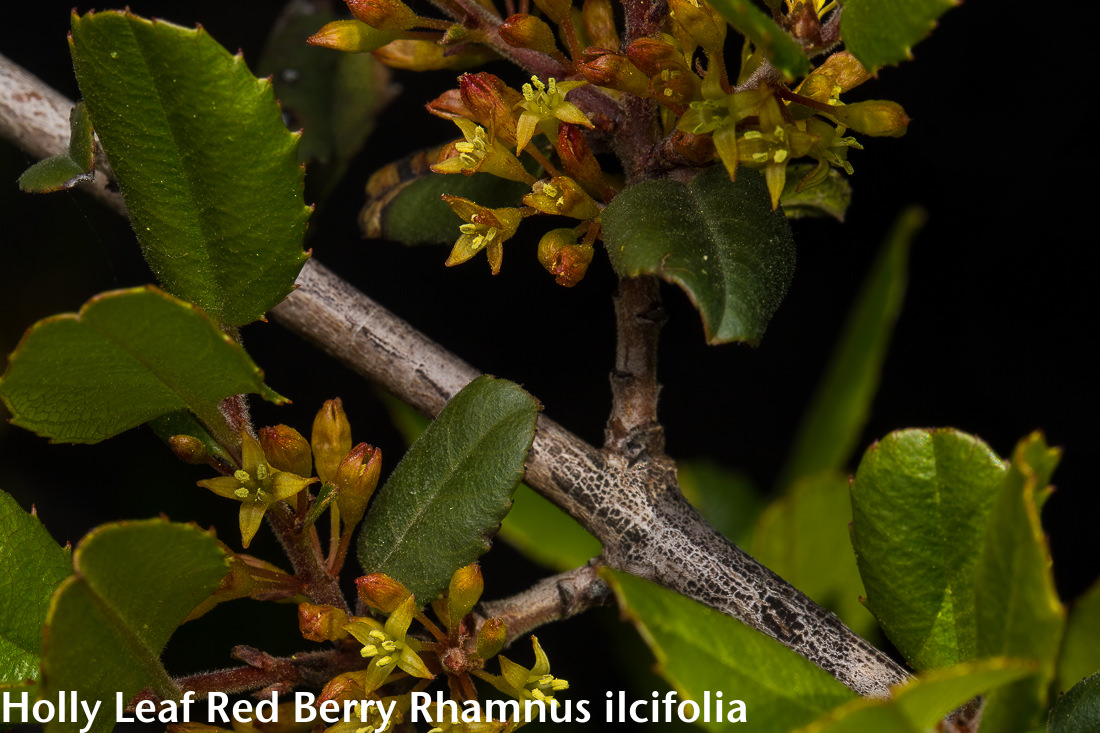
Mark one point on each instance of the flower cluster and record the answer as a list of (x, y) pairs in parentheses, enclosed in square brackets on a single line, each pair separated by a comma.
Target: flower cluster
[(708, 110)]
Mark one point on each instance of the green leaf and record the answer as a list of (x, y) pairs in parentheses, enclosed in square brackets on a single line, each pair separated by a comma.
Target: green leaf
[(404, 200), (917, 706), (448, 494), (784, 52), (717, 239), (128, 356), (1079, 709), (1019, 613), (882, 32), (333, 97), (135, 583), (209, 172), (727, 498), (33, 565), (803, 537), (700, 650), (921, 500), (833, 423), (183, 422), (535, 526), (546, 534), (831, 197), (65, 171), (1080, 655)]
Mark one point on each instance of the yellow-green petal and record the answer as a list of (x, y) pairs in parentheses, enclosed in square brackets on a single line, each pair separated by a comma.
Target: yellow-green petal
[(568, 112), (411, 662), (514, 674), (542, 663), (222, 486), (397, 625), (252, 514), (285, 485), (252, 455)]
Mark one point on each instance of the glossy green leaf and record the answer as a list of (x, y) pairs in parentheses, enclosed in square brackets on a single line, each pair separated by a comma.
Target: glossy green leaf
[(833, 423), (1079, 709), (830, 198), (700, 650), (1019, 613), (209, 172), (784, 52), (448, 494), (882, 32), (727, 498), (404, 201), (128, 356), (33, 565), (333, 97), (1080, 655), (804, 537), (921, 500), (717, 239), (65, 171), (135, 583), (917, 706), (535, 526)]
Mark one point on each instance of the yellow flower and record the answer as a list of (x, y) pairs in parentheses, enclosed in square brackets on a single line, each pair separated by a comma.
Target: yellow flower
[(388, 645), (256, 485), (528, 684), (543, 106), (485, 229), (480, 154)]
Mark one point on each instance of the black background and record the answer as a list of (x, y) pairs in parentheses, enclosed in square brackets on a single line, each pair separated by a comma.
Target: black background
[(994, 340)]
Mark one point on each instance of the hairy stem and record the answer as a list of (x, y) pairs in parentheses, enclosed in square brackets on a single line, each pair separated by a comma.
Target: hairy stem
[(305, 557)]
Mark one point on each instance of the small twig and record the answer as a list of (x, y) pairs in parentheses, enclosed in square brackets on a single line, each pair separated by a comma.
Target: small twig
[(309, 566), (552, 599), (633, 428)]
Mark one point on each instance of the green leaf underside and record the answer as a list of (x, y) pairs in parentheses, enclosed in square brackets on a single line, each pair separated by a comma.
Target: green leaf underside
[(183, 422), (451, 490), (1080, 655), (127, 357), (33, 566), (918, 705), (784, 52), (415, 213), (535, 526), (135, 583), (1019, 613), (719, 240), (727, 498), (65, 171), (699, 649), (829, 198), (921, 501), (834, 421), (332, 97), (209, 172), (882, 32), (1079, 709), (804, 538)]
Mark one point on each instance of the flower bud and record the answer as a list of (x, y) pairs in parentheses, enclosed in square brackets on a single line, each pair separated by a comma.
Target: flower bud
[(556, 10), (286, 450), (492, 103), (450, 105), (356, 479), (464, 592), (416, 55), (188, 449), (615, 71), (700, 21), (562, 196), (527, 31), (389, 15), (380, 591), (491, 638), (562, 256), (875, 117), (599, 22), (579, 162), (671, 80), (843, 70), (322, 623), (331, 439), (350, 36), (346, 686)]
